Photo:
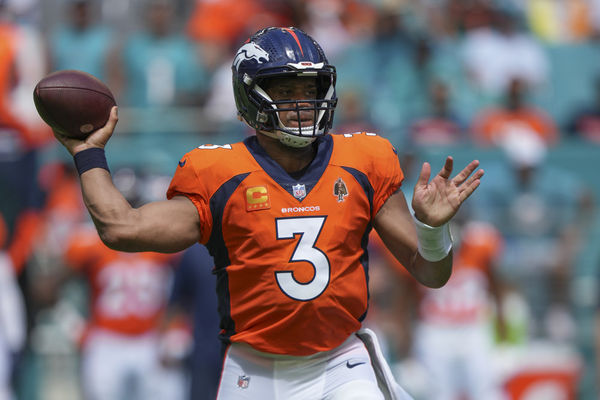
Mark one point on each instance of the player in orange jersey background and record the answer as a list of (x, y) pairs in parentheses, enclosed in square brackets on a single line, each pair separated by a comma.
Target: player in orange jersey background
[(454, 337), (119, 338), (290, 250), (128, 294)]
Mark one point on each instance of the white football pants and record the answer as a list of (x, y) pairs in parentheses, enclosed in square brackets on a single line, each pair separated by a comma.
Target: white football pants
[(352, 371), (119, 367), (12, 323)]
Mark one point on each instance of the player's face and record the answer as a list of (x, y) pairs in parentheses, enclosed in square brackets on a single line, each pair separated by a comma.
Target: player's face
[(294, 89)]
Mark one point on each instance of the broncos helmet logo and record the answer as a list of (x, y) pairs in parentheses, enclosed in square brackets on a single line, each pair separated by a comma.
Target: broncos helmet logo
[(250, 51)]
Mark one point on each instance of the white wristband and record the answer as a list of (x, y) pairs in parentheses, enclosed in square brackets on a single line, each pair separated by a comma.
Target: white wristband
[(434, 242)]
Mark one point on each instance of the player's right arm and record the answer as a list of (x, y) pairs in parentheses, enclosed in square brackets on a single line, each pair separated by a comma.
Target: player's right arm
[(162, 226)]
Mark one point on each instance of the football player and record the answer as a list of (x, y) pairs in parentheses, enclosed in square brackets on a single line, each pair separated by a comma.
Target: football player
[(454, 334), (128, 294), (286, 215), (12, 318)]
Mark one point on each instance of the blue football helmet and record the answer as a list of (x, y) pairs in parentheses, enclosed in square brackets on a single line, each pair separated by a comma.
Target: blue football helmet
[(282, 52)]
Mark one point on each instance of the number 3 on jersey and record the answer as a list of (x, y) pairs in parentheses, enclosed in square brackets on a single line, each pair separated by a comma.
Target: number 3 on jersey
[(309, 229)]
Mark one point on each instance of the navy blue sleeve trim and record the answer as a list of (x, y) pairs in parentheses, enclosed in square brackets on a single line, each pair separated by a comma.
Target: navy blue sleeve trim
[(218, 249)]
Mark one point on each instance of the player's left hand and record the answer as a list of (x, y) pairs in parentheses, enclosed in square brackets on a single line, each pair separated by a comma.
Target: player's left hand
[(436, 202)]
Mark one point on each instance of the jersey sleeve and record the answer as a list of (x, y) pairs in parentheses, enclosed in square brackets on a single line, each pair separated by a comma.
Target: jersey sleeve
[(386, 175), (374, 156), (186, 182)]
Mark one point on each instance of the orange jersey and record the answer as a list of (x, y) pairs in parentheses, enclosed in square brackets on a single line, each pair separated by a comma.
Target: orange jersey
[(493, 125), (291, 254), (128, 290), (465, 298), (8, 49)]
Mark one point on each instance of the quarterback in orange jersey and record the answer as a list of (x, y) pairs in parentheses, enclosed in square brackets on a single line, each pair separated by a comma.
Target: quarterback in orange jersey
[(290, 250), (286, 215), (128, 294)]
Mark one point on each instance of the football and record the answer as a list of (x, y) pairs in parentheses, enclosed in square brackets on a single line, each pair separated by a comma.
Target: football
[(73, 102)]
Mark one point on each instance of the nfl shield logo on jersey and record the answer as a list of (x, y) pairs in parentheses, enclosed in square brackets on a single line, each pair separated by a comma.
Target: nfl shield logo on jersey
[(243, 381), (299, 191)]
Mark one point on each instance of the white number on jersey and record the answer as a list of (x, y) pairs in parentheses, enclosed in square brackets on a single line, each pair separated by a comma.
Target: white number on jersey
[(308, 228), (349, 135), (215, 146), (130, 289)]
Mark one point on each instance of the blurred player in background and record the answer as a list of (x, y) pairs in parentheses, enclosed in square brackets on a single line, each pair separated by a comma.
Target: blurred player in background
[(290, 255), (194, 300), (127, 297), (21, 199), (538, 206), (12, 318), (22, 135), (128, 294), (455, 333), (22, 65), (455, 326)]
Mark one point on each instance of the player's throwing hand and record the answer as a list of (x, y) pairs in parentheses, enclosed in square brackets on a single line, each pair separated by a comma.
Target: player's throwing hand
[(97, 139)]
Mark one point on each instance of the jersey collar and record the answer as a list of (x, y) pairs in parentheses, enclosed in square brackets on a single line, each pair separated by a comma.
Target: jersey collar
[(311, 175)]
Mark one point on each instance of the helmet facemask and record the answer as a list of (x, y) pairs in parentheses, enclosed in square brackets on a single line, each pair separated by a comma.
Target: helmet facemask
[(318, 109)]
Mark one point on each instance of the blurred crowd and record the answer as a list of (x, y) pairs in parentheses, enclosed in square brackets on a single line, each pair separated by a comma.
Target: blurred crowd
[(514, 83)]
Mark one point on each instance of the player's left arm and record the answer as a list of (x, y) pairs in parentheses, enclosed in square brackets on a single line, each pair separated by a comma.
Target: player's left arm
[(434, 203), (395, 226)]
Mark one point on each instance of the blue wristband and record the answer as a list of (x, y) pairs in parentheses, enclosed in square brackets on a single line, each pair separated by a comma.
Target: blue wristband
[(90, 158)]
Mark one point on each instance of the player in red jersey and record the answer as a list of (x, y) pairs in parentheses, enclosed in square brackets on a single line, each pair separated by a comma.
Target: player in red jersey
[(128, 294), (286, 215)]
